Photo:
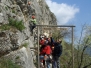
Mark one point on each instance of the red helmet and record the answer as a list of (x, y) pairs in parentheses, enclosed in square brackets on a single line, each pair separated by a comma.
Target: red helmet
[(33, 17)]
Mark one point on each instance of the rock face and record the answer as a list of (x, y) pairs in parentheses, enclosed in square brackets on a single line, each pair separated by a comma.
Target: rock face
[(12, 40)]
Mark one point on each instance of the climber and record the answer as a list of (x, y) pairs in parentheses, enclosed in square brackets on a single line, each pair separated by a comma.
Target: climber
[(45, 54), (29, 8), (32, 23), (56, 53)]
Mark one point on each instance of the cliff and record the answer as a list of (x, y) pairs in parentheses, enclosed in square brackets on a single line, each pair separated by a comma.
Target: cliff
[(15, 39)]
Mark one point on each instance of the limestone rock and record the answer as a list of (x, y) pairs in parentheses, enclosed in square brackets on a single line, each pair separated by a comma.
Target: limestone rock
[(13, 41)]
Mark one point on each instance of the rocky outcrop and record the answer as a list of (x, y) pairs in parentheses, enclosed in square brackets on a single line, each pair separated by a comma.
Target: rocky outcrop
[(12, 40)]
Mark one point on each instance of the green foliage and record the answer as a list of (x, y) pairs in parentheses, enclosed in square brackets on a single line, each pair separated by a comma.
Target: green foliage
[(6, 63), (47, 7), (18, 24), (25, 44), (5, 27), (66, 57), (57, 35), (17, 57), (35, 63), (6, 8), (13, 11), (87, 39)]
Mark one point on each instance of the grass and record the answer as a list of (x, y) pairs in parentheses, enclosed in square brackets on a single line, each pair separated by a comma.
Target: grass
[(18, 24), (17, 57), (13, 11), (25, 44), (5, 27), (6, 63), (6, 8)]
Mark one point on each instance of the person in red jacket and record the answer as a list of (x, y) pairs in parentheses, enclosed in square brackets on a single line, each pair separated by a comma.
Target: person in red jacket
[(45, 53), (46, 50), (41, 41)]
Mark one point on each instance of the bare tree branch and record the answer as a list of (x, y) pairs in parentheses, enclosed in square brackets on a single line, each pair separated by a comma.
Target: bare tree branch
[(82, 56), (87, 65), (83, 53), (79, 43)]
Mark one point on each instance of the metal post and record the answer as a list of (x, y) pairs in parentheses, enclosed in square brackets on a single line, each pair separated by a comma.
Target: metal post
[(72, 49), (38, 47), (56, 25)]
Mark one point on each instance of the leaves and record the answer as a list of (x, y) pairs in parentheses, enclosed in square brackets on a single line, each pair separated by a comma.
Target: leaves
[(18, 24)]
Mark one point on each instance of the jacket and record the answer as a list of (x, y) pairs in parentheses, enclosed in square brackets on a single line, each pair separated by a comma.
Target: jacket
[(46, 50), (34, 21), (57, 49)]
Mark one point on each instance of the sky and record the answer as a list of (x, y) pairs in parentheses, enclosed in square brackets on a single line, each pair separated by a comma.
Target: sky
[(71, 12)]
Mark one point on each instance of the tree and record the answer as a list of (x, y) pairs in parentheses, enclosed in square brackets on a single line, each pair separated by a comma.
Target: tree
[(83, 59)]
